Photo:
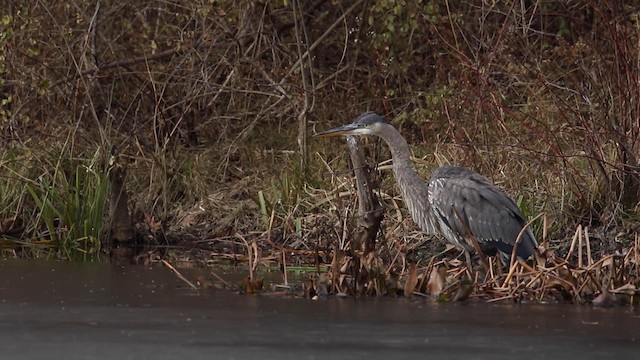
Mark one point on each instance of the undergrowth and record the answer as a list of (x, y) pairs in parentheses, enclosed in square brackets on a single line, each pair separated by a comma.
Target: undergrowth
[(212, 106)]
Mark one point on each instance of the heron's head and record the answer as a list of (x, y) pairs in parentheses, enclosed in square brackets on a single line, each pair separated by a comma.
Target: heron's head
[(368, 123)]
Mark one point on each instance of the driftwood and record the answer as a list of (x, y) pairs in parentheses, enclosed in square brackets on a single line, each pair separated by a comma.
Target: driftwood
[(122, 233), (367, 223), (369, 211)]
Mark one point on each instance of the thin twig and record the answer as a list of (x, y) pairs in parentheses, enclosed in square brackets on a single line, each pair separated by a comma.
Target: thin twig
[(319, 41), (226, 284), (120, 63), (180, 276)]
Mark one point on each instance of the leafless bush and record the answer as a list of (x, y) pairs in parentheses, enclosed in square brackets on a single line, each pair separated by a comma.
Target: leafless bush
[(542, 97)]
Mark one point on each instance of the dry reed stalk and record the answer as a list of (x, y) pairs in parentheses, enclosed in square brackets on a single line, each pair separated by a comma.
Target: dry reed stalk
[(250, 255), (492, 279), (573, 243), (536, 277), (180, 276), (529, 269), (543, 288), (502, 289), (580, 247), (584, 283), (586, 236), (394, 260), (506, 297), (284, 268), (458, 272), (513, 290), (637, 255), (512, 270), (490, 272), (594, 281), (344, 239), (514, 251), (396, 207), (226, 284), (554, 267), (448, 288), (271, 221), (426, 272), (545, 240), (522, 274), (470, 275), (573, 288), (600, 262)]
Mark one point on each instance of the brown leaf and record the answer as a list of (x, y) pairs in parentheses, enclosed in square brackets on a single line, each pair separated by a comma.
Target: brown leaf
[(412, 281), (153, 224), (541, 255), (251, 287), (436, 282)]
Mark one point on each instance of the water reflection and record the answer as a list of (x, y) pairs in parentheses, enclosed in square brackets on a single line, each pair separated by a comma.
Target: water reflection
[(103, 311)]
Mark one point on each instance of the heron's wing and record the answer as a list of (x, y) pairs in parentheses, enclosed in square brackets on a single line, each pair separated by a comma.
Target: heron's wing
[(467, 203)]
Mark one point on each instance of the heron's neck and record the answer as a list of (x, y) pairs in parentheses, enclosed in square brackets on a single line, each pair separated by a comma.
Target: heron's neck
[(414, 189), (400, 153)]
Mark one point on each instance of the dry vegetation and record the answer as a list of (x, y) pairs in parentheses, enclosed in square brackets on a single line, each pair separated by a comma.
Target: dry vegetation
[(211, 105)]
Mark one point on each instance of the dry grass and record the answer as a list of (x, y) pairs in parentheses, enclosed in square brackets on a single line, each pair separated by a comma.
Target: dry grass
[(583, 269), (211, 104)]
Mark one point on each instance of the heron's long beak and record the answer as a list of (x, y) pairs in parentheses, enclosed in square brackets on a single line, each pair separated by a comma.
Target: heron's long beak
[(350, 129)]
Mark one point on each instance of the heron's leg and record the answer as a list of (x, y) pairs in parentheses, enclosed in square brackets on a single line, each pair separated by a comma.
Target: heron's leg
[(467, 256), (505, 259)]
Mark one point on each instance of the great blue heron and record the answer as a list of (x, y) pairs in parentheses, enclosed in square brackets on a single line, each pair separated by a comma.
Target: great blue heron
[(456, 202)]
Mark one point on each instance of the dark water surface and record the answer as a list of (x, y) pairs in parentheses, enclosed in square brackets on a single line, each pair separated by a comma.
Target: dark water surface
[(52, 310)]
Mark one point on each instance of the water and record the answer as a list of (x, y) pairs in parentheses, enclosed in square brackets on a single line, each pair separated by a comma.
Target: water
[(55, 310)]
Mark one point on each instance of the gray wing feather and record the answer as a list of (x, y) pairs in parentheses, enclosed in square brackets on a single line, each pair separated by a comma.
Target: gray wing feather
[(467, 202)]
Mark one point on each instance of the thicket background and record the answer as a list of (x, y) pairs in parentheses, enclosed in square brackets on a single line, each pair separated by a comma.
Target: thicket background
[(212, 105)]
